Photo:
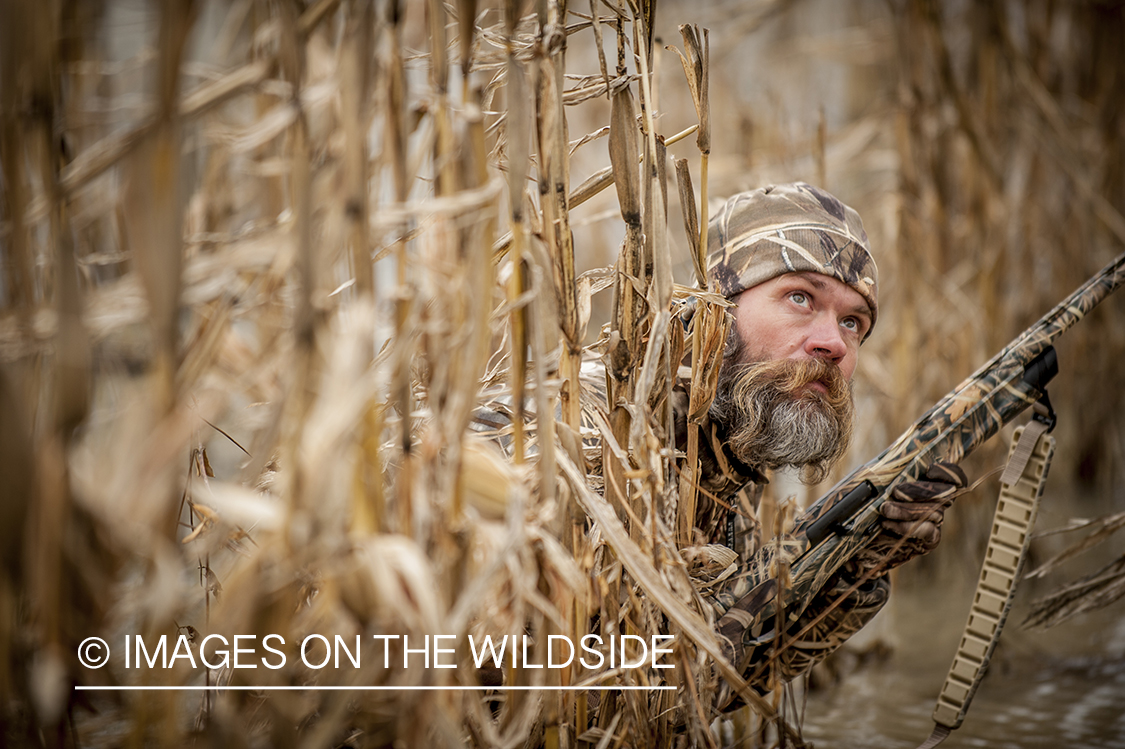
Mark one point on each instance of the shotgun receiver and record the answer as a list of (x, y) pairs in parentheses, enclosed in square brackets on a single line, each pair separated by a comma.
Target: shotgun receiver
[(845, 520)]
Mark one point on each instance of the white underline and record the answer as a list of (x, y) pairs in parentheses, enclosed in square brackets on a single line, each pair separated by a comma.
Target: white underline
[(243, 688)]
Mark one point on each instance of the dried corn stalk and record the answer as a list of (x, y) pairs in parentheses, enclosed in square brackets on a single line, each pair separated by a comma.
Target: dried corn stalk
[(366, 255)]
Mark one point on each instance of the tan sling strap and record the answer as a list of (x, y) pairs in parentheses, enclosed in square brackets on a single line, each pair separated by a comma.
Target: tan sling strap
[(1021, 486)]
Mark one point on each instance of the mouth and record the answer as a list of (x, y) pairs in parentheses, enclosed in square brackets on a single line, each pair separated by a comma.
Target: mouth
[(817, 385)]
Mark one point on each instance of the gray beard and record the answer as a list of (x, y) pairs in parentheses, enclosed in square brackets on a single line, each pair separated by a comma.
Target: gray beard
[(768, 424), (798, 434)]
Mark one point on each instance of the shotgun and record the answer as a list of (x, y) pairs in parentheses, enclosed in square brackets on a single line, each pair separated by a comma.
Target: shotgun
[(846, 519)]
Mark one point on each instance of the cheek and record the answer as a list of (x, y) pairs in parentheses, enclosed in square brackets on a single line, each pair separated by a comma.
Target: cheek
[(768, 338), (764, 346)]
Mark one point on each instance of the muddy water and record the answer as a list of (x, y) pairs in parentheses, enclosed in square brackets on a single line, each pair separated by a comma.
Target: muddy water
[(1061, 688)]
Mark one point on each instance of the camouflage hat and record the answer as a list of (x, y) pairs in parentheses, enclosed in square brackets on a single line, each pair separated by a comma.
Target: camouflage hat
[(764, 233)]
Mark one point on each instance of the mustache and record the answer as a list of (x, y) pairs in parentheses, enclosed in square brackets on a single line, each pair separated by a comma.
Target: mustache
[(790, 379)]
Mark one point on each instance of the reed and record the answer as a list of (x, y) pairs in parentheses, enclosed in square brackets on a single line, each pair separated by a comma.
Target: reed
[(245, 325)]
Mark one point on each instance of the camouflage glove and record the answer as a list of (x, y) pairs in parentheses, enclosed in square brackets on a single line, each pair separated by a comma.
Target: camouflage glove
[(912, 517)]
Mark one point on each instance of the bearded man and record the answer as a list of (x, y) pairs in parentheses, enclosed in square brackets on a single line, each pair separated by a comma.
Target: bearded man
[(797, 264)]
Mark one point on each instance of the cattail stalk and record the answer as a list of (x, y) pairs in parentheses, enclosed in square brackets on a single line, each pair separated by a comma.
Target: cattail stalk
[(401, 390), (695, 62), (517, 142), (518, 155), (19, 288), (305, 323), (355, 83), (628, 298), (553, 190)]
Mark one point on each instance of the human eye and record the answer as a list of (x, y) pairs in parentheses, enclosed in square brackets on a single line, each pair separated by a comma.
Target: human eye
[(856, 325), (800, 298)]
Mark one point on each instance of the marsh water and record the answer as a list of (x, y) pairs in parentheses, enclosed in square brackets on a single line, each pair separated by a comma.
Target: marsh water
[(1064, 687)]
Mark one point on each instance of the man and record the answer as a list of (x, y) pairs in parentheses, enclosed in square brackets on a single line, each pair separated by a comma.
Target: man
[(797, 263)]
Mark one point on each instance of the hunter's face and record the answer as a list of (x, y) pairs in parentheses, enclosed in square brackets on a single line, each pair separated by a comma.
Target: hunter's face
[(800, 316), (784, 393)]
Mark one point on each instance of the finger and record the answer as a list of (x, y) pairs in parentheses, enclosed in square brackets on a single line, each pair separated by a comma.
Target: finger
[(924, 491), (930, 511), (949, 473), (929, 534)]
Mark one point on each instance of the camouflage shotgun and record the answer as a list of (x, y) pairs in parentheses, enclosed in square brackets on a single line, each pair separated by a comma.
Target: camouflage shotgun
[(844, 521)]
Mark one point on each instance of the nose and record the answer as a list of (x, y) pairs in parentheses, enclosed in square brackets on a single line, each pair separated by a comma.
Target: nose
[(824, 340)]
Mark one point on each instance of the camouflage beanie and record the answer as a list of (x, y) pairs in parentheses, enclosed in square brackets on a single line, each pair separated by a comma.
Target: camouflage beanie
[(780, 229)]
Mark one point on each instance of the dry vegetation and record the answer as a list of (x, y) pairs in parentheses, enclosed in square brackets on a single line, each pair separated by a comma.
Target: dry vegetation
[(302, 242)]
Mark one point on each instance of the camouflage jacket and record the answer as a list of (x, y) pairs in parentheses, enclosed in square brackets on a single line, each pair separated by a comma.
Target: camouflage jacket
[(844, 606), (727, 515)]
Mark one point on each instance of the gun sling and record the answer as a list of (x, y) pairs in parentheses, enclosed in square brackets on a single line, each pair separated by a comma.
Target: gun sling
[(1021, 486)]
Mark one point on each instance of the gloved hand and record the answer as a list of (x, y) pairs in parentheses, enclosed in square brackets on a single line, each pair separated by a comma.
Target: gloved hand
[(912, 516)]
